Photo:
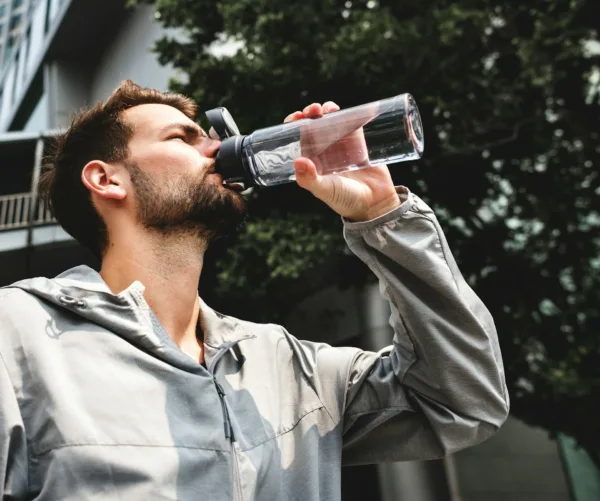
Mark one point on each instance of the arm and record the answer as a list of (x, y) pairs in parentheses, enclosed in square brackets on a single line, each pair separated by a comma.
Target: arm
[(13, 448), (441, 386)]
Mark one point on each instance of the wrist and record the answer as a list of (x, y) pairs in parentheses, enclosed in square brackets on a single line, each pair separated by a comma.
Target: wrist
[(379, 209)]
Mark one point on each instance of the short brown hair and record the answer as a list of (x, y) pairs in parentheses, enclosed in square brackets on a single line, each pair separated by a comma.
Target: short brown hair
[(98, 133)]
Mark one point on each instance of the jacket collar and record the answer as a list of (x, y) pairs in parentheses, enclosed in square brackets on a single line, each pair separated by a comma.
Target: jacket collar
[(83, 291)]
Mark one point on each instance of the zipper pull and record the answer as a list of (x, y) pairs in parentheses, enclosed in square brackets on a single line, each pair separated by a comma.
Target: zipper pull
[(228, 426)]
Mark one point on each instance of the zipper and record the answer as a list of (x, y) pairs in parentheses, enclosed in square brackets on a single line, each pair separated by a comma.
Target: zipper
[(228, 427), (226, 418), (229, 435)]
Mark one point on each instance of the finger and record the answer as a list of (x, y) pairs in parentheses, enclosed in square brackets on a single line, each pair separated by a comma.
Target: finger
[(297, 115), (308, 178), (306, 172), (313, 110), (330, 106)]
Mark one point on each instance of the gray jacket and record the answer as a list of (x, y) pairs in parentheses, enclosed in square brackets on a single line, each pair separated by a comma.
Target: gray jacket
[(96, 402)]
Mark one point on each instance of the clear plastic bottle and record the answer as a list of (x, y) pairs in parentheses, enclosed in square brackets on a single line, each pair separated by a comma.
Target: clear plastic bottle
[(381, 132)]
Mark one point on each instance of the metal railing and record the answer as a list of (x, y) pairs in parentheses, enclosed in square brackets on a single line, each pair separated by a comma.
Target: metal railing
[(17, 211)]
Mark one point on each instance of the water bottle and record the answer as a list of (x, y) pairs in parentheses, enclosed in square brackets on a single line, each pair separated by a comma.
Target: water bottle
[(381, 132)]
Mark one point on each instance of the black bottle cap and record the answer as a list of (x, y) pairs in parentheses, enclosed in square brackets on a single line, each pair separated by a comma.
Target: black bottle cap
[(230, 161), (222, 122)]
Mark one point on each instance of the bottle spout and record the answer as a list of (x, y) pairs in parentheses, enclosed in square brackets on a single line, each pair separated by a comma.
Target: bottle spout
[(229, 162)]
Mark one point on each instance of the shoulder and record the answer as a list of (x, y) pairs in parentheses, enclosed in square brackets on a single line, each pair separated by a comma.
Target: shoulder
[(7, 291), (21, 313), (260, 332), (10, 297), (271, 336)]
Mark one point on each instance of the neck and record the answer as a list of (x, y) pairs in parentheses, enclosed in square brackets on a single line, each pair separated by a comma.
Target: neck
[(169, 267)]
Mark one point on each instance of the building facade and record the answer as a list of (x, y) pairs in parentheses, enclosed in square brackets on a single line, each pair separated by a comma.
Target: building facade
[(13, 14), (61, 55)]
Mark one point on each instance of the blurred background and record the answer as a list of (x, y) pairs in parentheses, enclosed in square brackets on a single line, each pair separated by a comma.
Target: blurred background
[(509, 93)]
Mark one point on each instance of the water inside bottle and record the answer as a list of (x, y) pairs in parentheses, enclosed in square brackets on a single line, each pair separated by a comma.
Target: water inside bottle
[(383, 132)]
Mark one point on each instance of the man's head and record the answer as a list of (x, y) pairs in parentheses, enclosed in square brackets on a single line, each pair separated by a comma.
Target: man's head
[(140, 155)]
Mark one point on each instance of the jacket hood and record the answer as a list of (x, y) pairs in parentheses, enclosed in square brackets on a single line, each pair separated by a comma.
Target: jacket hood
[(83, 292)]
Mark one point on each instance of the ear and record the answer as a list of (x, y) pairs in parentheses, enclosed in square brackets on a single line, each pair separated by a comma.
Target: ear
[(104, 180)]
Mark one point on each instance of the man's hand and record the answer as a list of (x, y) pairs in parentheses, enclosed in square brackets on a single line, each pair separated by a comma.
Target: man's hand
[(358, 195)]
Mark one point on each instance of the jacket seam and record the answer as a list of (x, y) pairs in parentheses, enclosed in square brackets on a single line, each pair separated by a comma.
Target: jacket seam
[(90, 444), (375, 411), (326, 409), (346, 388), (283, 432), (310, 383), (402, 376)]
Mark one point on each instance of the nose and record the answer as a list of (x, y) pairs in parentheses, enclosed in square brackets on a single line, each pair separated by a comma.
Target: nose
[(209, 147)]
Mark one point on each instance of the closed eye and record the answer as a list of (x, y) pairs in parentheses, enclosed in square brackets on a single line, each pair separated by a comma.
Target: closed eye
[(178, 136)]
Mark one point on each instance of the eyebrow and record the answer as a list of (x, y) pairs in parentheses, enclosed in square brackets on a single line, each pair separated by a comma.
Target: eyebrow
[(189, 129)]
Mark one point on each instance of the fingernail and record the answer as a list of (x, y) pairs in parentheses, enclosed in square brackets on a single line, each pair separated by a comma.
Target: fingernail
[(300, 169)]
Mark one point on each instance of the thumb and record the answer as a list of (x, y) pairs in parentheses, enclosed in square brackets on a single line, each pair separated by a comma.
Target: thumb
[(307, 176), (328, 189)]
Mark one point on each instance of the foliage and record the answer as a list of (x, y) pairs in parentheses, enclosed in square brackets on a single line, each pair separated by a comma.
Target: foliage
[(509, 93)]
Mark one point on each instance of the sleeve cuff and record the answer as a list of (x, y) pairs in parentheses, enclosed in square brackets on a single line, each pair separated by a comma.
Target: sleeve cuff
[(405, 196)]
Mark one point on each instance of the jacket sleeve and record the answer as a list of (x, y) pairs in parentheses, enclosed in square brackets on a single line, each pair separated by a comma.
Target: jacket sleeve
[(440, 387), (13, 444)]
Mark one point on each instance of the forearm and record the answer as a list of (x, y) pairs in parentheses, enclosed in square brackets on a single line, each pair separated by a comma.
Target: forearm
[(445, 341)]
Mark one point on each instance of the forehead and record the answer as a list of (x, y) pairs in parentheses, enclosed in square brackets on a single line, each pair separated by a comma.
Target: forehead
[(148, 118)]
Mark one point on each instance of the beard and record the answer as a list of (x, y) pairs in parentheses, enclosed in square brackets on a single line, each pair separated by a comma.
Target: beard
[(186, 205)]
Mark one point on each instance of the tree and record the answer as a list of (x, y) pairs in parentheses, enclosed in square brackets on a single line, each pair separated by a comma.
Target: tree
[(509, 93)]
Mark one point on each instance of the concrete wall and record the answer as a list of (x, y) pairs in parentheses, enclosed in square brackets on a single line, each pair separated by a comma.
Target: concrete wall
[(38, 121), (67, 87), (130, 57), (519, 463), (11, 240)]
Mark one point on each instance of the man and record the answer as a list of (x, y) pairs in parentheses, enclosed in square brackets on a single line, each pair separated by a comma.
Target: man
[(123, 384)]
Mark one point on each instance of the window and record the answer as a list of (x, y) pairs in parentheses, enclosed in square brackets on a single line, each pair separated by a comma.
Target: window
[(15, 82), (15, 21)]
